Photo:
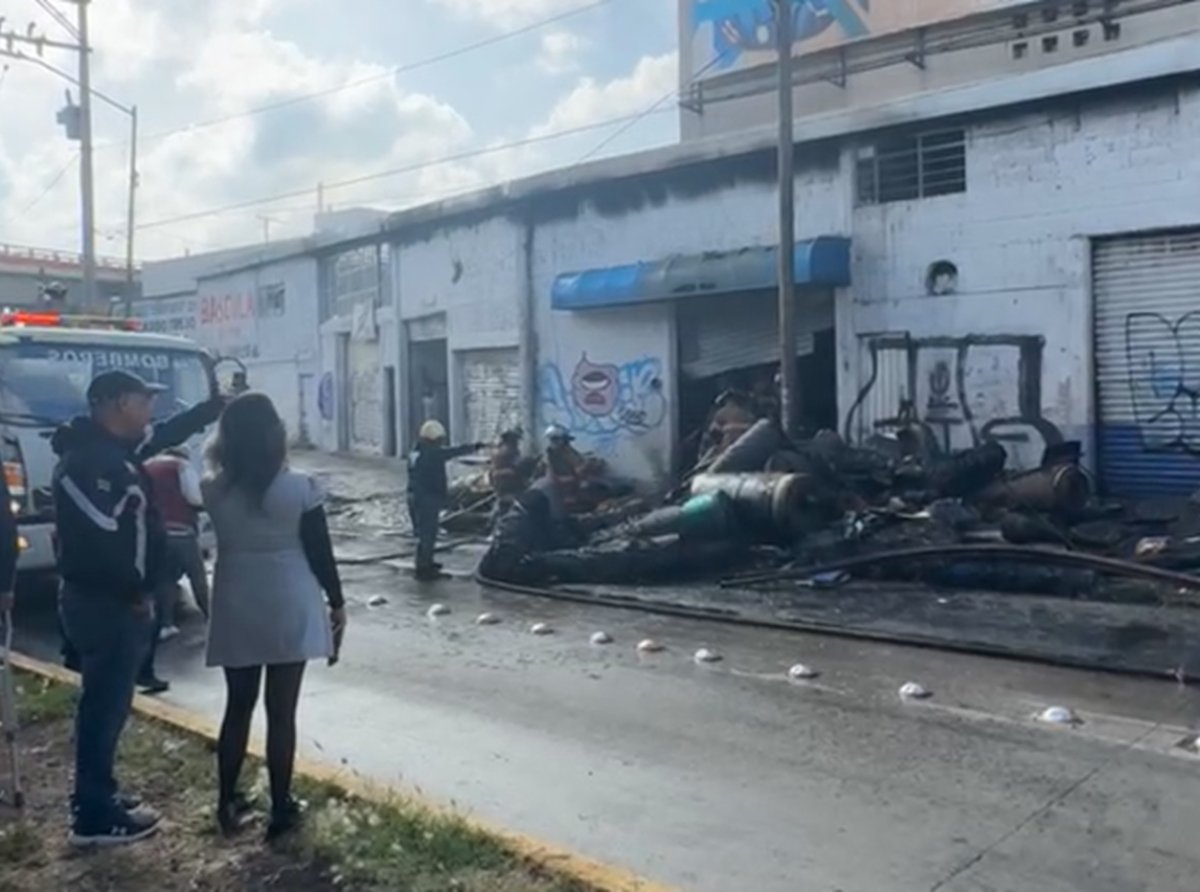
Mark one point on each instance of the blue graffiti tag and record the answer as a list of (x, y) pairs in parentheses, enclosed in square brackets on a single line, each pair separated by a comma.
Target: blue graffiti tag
[(604, 402), (743, 26)]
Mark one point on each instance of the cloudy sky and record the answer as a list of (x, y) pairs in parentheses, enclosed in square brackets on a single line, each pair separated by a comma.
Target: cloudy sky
[(201, 72)]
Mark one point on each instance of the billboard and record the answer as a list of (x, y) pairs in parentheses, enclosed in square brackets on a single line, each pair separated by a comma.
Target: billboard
[(728, 35)]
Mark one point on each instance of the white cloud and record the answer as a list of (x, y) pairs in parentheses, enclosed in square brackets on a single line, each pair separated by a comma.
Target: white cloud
[(508, 13), (560, 51), (652, 79)]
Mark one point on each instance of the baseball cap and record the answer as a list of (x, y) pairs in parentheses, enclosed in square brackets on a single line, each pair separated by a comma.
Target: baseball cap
[(117, 383)]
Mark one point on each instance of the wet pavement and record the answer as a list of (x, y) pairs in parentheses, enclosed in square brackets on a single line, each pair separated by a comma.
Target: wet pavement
[(726, 776)]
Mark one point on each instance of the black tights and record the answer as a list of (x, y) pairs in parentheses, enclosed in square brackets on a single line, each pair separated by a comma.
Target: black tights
[(283, 692)]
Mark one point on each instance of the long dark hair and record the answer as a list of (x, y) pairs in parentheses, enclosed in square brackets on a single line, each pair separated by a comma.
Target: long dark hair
[(250, 447)]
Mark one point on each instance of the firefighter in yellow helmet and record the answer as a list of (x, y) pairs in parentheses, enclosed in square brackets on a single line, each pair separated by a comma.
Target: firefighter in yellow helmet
[(427, 487)]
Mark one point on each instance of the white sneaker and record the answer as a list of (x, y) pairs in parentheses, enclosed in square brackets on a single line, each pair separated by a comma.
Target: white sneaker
[(166, 633)]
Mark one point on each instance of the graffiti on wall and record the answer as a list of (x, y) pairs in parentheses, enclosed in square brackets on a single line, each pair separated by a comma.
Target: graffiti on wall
[(964, 390), (1164, 380), (604, 401)]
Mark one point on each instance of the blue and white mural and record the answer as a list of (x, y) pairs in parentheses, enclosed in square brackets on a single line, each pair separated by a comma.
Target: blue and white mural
[(730, 34)]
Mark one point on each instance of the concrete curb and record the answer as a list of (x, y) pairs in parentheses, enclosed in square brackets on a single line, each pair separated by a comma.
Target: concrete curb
[(551, 858)]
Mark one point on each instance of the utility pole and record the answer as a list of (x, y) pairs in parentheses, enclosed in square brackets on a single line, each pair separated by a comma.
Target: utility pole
[(131, 217), (86, 173), (266, 222), (788, 384)]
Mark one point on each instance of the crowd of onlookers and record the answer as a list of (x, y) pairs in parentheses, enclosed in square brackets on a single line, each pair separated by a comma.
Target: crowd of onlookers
[(127, 500)]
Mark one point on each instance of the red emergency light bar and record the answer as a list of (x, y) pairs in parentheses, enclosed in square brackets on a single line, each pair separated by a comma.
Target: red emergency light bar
[(43, 319)]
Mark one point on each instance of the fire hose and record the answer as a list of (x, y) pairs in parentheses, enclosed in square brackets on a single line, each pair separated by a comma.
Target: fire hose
[(1018, 553)]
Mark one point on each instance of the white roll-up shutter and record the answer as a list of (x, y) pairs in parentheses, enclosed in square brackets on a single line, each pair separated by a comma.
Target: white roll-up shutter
[(1147, 296), (491, 381), (720, 333)]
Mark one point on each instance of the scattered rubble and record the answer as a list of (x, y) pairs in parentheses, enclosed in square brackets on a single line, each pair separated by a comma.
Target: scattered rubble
[(772, 513)]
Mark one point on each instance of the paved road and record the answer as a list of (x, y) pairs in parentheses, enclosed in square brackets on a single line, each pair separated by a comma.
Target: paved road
[(728, 778)]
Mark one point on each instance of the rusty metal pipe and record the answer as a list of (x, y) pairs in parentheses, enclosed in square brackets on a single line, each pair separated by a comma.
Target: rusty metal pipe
[(1060, 489)]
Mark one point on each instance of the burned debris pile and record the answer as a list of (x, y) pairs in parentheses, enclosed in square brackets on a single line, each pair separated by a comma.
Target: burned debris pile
[(767, 511)]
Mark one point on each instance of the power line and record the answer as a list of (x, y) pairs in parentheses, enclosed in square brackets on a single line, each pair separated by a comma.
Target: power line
[(46, 191), (375, 78), (650, 109), (411, 168), (59, 17)]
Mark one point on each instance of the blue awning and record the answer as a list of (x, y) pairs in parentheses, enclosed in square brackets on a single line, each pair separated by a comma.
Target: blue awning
[(823, 261)]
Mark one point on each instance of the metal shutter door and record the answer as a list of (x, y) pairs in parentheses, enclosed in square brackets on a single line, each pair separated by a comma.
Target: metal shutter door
[(1147, 294), (720, 333), (491, 393), (366, 398)]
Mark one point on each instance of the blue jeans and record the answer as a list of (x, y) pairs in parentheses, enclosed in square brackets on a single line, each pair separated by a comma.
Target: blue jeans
[(111, 638)]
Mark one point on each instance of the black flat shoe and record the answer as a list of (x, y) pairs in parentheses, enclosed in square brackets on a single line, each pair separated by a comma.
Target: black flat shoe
[(231, 815), (284, 820), (152, 686)]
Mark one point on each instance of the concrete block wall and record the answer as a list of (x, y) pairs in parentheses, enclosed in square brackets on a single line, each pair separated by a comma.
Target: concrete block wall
[(1010, 353)]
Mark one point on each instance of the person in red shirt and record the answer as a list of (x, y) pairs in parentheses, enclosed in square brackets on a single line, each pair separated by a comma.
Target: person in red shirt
[(176, 495)]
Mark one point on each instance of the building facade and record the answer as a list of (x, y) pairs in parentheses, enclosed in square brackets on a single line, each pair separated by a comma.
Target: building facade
[(1018, 270)]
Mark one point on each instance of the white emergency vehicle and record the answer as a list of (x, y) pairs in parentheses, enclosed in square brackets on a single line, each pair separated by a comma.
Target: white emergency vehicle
[(47, 360)]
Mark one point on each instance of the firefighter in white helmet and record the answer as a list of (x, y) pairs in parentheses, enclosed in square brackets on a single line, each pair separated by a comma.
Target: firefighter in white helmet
[(427, 488)]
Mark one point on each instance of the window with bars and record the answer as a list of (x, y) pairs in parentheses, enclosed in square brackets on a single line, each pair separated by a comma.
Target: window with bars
[(904, 168)]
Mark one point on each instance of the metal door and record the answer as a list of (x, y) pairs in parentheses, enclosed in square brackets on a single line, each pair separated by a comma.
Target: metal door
[(1147, 343)]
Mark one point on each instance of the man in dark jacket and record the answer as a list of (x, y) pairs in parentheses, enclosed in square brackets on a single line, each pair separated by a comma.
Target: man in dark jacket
[(111, 550), (427, 489)]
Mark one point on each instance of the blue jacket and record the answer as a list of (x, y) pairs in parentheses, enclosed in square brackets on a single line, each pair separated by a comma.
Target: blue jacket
[(111, 539)]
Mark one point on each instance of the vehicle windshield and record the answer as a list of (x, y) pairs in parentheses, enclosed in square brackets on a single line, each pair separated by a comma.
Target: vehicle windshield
[(43, 383)]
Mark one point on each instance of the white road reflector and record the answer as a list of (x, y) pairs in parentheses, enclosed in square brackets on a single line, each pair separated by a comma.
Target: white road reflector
[(704, 655), (487, 619), (376, 601), (438, 610), (599, 638), (650, 646), (913, 691), (1058, 715), (542, 629)]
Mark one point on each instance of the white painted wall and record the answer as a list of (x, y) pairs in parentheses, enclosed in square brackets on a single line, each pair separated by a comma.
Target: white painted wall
[(277, 350), (1039, 186), (475, 275), (637, 345)]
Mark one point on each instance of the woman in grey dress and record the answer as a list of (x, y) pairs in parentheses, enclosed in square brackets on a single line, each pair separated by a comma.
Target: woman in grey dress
[(276, 601)]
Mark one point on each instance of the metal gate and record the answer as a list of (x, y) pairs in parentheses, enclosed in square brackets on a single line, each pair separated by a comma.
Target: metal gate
[(1147, 297), (720, 333), (491, 381)]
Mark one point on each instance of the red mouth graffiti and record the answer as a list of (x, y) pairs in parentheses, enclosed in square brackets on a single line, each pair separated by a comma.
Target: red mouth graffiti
[(594, 388)]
